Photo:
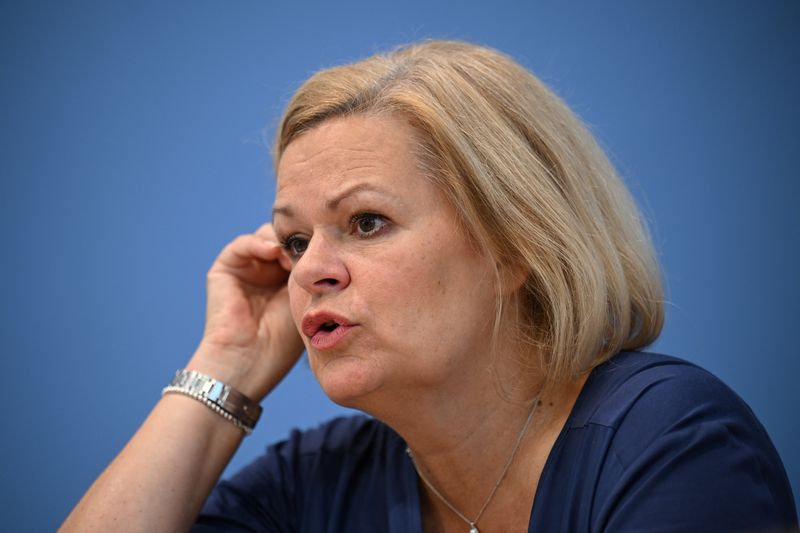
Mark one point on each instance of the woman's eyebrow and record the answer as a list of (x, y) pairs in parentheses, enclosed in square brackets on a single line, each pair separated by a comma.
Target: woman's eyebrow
[(332, 203), (282, 210)]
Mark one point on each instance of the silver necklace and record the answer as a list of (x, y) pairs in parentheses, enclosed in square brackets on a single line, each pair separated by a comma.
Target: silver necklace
[(472, 523)]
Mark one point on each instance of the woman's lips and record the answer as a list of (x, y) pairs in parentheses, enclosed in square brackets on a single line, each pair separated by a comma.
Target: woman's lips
[(325, 329), (325, 340)]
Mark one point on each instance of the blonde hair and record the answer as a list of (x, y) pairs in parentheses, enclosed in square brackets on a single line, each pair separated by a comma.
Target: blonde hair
[(529, 183)]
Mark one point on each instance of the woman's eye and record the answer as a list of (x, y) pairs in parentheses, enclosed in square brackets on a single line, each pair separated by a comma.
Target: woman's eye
[(363, 225), (367, 224), (295, 246)]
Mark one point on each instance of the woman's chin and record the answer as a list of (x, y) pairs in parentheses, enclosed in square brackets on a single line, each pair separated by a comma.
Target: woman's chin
[(347, 381)]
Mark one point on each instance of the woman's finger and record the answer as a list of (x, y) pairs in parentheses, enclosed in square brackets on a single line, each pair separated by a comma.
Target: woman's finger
[(265, 231), (252, 260), (284, 261), (244, 248)]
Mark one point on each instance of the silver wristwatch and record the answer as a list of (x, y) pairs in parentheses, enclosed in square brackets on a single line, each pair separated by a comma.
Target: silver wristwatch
[(219, 397)]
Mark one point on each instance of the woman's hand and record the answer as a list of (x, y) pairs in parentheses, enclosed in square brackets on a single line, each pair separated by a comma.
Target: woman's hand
[(165, 473), (250, 341)]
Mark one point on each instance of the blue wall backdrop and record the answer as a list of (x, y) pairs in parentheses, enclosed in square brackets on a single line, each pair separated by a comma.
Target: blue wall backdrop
[(133, 149)]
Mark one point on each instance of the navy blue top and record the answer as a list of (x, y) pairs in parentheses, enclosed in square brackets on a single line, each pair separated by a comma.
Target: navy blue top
[(653, 443)]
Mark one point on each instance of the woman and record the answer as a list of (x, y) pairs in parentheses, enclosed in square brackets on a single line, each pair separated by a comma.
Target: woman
[(461, 263)]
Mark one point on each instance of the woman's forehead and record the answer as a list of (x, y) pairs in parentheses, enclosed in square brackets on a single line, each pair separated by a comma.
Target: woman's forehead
[(342, 149)]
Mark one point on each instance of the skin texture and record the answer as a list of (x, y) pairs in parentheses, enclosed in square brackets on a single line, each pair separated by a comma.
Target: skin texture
[(367, 236), (421, 296)]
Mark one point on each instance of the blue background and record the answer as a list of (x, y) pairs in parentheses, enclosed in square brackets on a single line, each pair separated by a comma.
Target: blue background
[(133, 149)]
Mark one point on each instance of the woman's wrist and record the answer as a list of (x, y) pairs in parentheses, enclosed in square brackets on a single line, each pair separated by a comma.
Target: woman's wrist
[(231, 367), (221, 398)]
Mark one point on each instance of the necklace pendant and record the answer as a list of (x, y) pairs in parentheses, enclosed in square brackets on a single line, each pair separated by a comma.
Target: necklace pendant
[(473, 529)]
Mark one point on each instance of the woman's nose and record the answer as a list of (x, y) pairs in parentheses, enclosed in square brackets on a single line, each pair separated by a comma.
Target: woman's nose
[(320, 269)]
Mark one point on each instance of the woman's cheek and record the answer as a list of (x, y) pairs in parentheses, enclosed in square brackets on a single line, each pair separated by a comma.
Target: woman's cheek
[(296, 300), (285, 261)]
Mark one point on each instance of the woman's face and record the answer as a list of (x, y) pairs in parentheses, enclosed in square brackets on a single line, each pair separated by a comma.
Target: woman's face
[(388, 295)]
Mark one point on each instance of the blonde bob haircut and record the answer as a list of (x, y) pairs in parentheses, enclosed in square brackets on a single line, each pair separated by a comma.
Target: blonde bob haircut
[(529, 183)]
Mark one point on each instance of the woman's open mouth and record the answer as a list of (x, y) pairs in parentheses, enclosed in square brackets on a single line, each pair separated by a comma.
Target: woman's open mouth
[(325, 330), (329, 326), (329, 336)]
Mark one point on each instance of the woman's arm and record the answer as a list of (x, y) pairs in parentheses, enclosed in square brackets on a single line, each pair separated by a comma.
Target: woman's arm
[(164, 474)]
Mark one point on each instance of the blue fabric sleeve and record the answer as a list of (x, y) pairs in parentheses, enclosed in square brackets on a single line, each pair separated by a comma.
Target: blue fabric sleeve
[(689, 455), (350, 474), (260, 497)]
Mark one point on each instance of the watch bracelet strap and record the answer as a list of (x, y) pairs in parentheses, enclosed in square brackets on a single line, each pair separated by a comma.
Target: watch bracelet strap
[(216, 395)]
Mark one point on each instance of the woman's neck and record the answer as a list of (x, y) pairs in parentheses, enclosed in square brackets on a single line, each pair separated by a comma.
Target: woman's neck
[(462, 441)]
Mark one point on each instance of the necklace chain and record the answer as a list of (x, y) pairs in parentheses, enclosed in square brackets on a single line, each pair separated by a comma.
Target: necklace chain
[(472, 523)]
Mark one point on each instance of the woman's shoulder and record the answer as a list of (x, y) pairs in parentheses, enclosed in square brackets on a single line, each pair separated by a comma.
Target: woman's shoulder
[(652, 435), (645, 396), (643, 383)]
